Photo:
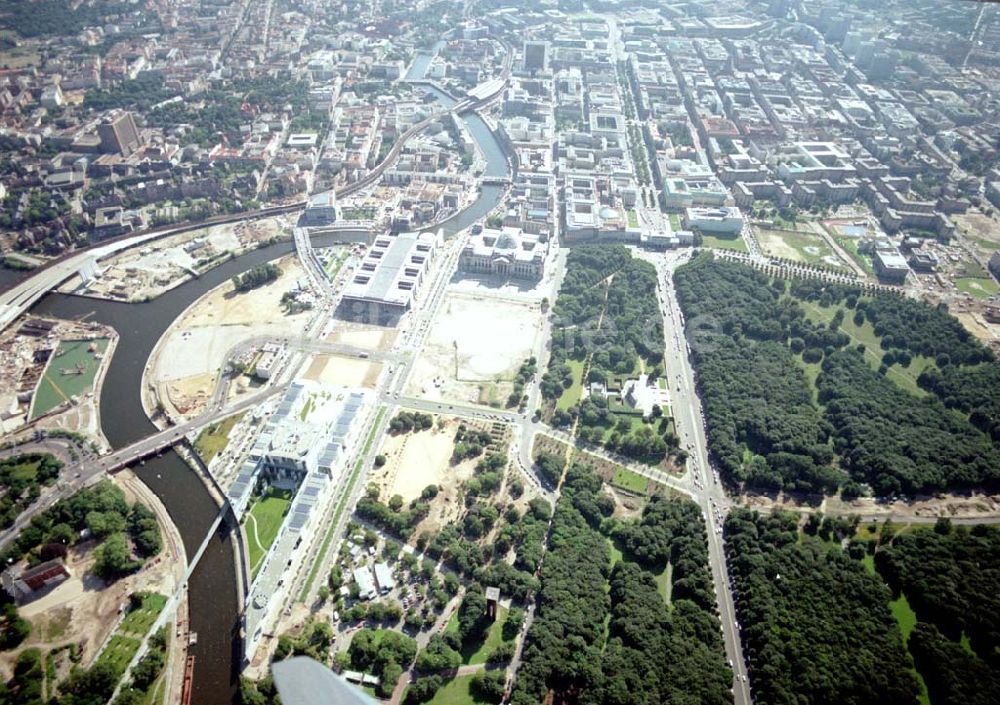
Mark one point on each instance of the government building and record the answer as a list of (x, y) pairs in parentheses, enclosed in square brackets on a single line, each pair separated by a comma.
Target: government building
[(508, 252)]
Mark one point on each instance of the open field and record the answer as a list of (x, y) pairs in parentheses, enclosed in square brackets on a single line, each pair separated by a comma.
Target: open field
[(420, 458), (724, 243), (799, 246), (417, 459), (981, 230), (213, 439), (263, 523), (341, 370), (979, 287), (572, 395), (214, 325), (474, 348), (363, 335), (69, 373)]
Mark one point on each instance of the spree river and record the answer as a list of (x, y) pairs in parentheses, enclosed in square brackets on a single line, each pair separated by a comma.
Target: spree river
[(213, 600)]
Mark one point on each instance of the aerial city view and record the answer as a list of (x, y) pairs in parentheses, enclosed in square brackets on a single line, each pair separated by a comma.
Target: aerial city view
[(542, 352)]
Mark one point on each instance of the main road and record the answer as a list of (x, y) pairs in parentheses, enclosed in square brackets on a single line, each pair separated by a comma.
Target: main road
[(709, 493)]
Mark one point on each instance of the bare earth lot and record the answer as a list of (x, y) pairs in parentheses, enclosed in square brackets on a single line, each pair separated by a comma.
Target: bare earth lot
[(416, 460), (347, 371), (212, 327), (489, 337)]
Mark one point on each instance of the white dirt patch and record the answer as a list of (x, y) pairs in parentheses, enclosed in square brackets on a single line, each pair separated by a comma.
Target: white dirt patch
[(415, 460), (364, 336), (490, 337), (200, 340), (346, 371)]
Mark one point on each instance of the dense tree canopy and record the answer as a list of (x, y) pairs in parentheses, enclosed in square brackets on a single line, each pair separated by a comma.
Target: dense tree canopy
[(127, 535), (751, 344), (650, 653), (951, 578), (896, 442), (672, 531), (815, 623), (755, 395), (563, 647), (953, 675), (659, 655), (606, 305), (21, 479)]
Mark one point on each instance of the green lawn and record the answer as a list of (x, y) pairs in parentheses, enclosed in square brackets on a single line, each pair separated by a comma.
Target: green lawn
[(616, 552), (335, 262), (675, 222), (119, 652), (139, 620), (455, 692), (629, 480), (268, 514), (125, 642), (633, 218), (494, 637), (663, 581), (907, 620), (306, 408), (571, 396), (904, 377), (981, 288), (801, 246), (904, 615), (724, 243), (213, 439), (869, 562), (70, 372)]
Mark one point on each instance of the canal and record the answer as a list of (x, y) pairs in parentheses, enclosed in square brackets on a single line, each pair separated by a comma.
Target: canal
[(213, 599)]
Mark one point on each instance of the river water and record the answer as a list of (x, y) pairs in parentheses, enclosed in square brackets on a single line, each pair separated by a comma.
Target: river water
[(213, 599)]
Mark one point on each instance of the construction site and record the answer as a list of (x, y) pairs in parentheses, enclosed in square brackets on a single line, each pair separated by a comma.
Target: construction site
[(215, 325), (143, 273), (49, 371), (475, 346)]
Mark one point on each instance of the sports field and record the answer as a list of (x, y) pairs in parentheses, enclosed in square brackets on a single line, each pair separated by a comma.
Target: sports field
[(70, 372), (263, 523)]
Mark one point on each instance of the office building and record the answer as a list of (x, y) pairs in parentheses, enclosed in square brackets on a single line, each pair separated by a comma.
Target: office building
[(536, 56), (386, 284), (119, 134)]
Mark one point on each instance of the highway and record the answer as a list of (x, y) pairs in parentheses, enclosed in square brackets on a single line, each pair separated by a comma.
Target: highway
[(709, 494)]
